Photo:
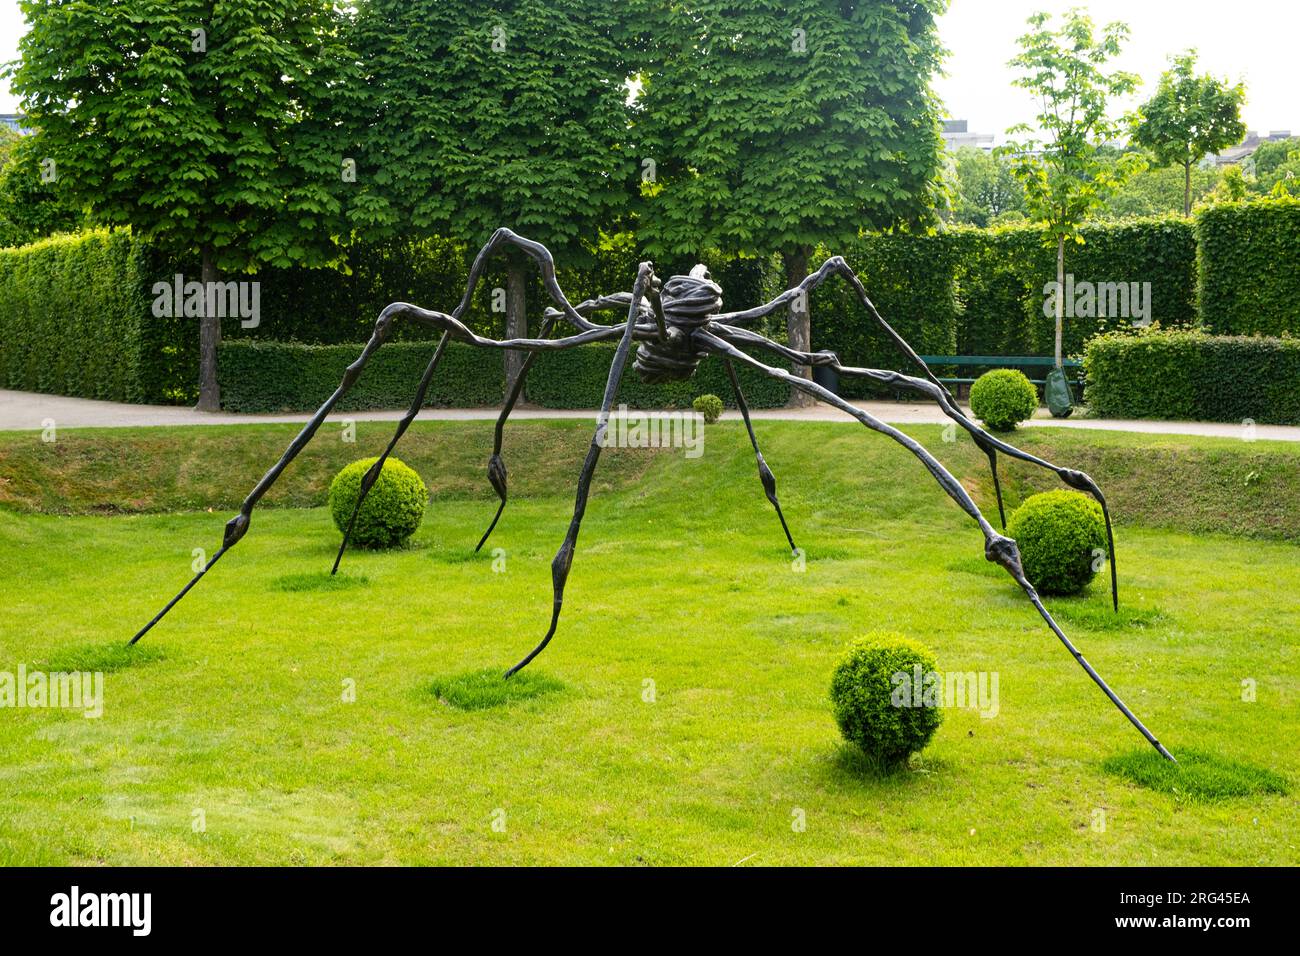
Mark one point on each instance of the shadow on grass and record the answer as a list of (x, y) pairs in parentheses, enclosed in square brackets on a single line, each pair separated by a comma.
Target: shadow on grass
[(1198, 775), (319, 581), (847, 768), (1100, 615), (107, 658), (487, 688)]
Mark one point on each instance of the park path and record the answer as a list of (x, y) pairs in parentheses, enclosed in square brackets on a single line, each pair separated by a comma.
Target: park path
[(32, 410)]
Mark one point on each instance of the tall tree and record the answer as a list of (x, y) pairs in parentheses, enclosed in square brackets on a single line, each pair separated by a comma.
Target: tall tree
[(776, 125), (198, 123), (488, 113), (1190, 117), (1066, 174)]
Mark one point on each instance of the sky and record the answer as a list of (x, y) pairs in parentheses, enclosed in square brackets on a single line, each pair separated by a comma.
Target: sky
[(1253, 40)]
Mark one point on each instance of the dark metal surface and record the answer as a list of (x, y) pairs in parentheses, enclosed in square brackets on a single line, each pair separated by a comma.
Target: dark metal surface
[(678, 324)]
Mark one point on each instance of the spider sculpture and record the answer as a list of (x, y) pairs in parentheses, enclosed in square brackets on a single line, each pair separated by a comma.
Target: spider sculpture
[(676, 324)]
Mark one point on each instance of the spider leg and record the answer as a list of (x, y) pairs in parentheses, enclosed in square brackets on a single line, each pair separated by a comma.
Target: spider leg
[(237, 526), (987, 443), (372, 473), (564, 557), (764, 473), (836, 265), (577, 315), (496, 466), (997, 547)]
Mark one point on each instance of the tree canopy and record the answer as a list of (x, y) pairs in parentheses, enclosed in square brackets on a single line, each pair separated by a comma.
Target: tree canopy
[(1190, 117)]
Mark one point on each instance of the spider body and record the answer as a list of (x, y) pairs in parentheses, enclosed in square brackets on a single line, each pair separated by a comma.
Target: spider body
[(686, 303), (676, 326)]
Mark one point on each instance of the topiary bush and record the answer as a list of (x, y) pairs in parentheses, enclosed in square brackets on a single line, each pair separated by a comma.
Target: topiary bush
[(1060, 534), (710, 406), (392, 510), (876, 710), (1002, 398)]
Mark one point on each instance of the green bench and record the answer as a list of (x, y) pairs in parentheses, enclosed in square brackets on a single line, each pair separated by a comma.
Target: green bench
[(1029, 364)]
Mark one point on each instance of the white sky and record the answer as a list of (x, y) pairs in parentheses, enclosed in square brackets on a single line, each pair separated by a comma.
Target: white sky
[(1253, 40)]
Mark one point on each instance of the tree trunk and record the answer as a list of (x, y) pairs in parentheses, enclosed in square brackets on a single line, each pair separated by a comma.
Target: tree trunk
[(209, 339), (516, 314), (798, 321), (1187, 189), (1060, 295)]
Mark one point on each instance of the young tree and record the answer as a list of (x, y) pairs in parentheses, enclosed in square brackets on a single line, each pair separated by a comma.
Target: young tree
[(488, 114), (1066, 174), (1188, 118), (194, 122), (773, 127)]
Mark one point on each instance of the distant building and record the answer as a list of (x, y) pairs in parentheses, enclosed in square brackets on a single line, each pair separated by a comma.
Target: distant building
[(15, 122), (956, 134), (1247, 146)]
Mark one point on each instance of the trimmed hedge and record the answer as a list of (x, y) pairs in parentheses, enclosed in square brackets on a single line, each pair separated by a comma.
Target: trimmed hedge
[(75, 319), (1247, 255), (1001, 274), (576, 379), (911, 279), (291, 376), (1191, 375)]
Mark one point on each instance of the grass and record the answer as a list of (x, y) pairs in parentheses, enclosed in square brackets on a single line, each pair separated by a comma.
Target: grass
[(1196, 776), (481, 689), (695, 660)]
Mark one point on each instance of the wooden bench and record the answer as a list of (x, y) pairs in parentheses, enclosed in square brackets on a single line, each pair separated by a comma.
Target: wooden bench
[(1029, 364)]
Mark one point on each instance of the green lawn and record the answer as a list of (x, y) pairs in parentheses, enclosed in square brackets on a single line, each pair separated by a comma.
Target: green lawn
[(682, 585)]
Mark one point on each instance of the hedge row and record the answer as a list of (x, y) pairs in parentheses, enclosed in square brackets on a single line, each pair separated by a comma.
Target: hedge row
[(292, 376), (75, 317), (71, 316), (1191, 375), (1002, 273), (1247, 257)]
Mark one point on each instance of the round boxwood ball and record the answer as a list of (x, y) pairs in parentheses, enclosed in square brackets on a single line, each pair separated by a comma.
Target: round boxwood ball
[(392, 510), (876, 703), (1060, 534), (1002, 398), (710, 406)]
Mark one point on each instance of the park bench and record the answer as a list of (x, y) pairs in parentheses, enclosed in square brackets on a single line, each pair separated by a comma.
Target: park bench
[(1029, 364)]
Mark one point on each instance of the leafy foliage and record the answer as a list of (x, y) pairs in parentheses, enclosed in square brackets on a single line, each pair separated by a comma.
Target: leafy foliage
[(193, 147), (1002, 398), (476, 115), (1191, 375), (863, 692), (1002, 275), (30, 208), (710, 406), (575, 378), (1189, 117), (391, 512), (985, 190), (1064, 175), (1059, 533), (912, 281), (777, 127), (75, 320), (1243, 253), (290, 376)]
